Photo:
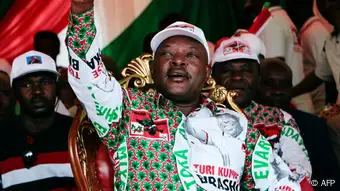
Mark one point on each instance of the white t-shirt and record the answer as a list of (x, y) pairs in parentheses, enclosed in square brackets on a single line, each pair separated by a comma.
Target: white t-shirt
[(313, 36), (329, 68), (281, 39)]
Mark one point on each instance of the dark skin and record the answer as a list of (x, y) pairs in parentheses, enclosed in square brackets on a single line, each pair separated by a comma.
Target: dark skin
[(37, 94), (6, 97), (311, 82), (276, 84), (180, 70), (241, 76)]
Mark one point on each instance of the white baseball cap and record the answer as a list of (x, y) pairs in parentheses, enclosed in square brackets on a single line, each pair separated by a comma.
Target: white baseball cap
[(5, 66), (256, 44), (30, 62), (180, 29), (234, 48)]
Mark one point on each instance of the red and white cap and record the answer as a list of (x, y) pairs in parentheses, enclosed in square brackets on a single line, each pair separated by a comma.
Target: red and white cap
[(31, 62), (180, 29), (232, 49), (256, 44)]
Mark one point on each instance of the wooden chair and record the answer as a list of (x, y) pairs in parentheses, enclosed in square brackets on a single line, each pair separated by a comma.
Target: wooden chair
[(90, 161)]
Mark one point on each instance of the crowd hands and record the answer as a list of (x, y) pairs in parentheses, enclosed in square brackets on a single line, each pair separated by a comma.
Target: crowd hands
[(285, 138)]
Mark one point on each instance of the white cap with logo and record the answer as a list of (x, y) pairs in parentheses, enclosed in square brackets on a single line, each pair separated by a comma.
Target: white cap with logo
[(31, 62), (254, 41), (180, 29), (234, 48)]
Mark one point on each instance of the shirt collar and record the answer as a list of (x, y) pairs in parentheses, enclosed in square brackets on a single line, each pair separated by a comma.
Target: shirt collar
[(274, 8), (308, 23), (253, 107)]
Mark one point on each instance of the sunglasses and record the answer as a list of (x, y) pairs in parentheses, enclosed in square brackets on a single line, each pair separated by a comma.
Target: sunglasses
[(28, 155)]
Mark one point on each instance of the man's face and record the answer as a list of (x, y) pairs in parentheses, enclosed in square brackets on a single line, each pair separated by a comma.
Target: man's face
[(229, 122), (180, 68), (274, 89), (241, 76), (37, 93), (6, 97)]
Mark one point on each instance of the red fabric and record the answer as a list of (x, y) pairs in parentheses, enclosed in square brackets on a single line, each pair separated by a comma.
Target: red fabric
[(305, 185), (15, 163), (260, 22), (292, 105), (104, 169), (219, 42), (25, 18)]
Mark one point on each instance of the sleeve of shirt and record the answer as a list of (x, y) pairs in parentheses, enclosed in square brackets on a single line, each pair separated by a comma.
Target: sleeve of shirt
[(274, 39), (97, 90), (323, 70), (264, 170), (293, 150), (317, 37)]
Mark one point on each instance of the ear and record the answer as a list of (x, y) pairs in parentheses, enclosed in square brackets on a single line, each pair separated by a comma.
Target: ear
[(152, 68), (208, 72)]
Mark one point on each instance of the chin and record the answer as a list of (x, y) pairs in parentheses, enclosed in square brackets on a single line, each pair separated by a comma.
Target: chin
[(39, 113), (177, 95)]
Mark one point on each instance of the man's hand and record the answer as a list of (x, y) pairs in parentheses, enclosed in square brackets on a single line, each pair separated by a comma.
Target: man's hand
[(81, 6)]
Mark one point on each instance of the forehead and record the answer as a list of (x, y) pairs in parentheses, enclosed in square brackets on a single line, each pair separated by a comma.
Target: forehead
[(276, 75), (182, 40), (239, 62), (38, 75)]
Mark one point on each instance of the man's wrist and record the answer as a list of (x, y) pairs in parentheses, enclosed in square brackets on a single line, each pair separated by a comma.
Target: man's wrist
[(78, 8)]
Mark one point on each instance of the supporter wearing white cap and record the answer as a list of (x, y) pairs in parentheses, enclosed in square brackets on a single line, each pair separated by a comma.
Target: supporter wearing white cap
[(236, 66), (38, 160), (281, 39), (22, 69), (180, 69)]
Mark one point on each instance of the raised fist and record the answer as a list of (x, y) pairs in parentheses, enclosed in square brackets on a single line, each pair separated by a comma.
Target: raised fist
[(80, 6)]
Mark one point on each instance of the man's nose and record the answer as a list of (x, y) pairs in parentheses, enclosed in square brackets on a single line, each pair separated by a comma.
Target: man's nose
[(37, 89), (179, 60)]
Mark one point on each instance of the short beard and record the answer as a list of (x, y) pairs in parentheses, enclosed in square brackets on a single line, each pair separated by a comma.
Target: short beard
[(31, 113)]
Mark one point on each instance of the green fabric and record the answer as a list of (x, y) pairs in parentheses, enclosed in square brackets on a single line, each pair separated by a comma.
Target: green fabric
[(4, 7), (218, 18), (17, 109)]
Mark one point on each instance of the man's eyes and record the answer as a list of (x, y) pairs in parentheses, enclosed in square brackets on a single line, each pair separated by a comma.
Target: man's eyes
[(192, 55), (166, 54)]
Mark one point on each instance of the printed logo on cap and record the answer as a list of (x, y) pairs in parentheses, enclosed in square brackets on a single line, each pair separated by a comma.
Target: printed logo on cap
[(33, 60), (236, 47), (184, 26)]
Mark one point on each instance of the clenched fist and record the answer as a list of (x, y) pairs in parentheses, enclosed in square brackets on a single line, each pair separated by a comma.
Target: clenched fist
[(80, 6)]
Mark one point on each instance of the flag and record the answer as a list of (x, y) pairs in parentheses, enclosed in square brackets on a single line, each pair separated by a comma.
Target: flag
[(122, 24)]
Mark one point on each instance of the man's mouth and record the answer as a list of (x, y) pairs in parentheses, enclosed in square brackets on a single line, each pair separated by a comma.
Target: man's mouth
[(177, 75), (38, 102)]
